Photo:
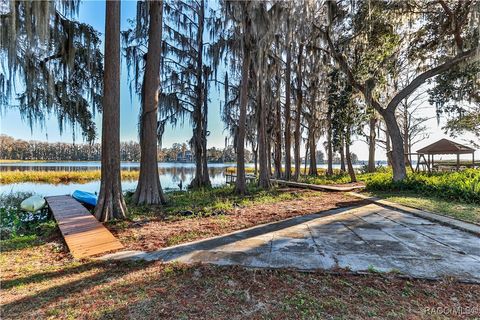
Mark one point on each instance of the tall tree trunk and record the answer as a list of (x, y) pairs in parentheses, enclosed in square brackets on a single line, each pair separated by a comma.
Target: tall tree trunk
[(406, 134), (263, 178), (240, 183), (342, 155), (288, 133), (348, 155), (255, 158), (269, 153), (298, 116), (278, 120), (397, 153), (329, 143), (371, 143), (111, 204), (313, 154), (277, 159), (307, 146), (149, 190), (201, 178), (206, 177), (388, 148)]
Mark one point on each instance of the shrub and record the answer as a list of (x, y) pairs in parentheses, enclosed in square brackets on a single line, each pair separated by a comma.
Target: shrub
[(14, 222), (459, 186)]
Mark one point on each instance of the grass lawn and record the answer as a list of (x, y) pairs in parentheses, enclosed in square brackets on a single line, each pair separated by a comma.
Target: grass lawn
[(43, 282), (454, 209)]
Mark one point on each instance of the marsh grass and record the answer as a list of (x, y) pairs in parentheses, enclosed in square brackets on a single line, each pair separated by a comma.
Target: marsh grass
[(58, 177)]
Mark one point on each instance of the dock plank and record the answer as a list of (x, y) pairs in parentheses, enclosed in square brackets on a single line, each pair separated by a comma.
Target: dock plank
[(83, 234)]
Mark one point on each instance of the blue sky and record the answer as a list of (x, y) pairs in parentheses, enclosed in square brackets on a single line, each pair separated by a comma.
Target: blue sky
[(93, 13)]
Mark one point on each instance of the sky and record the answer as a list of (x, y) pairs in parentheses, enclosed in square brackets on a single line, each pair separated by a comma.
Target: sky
[(93, 13)]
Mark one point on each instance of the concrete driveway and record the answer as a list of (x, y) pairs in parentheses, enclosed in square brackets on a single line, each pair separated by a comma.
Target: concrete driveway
[(370, 237)]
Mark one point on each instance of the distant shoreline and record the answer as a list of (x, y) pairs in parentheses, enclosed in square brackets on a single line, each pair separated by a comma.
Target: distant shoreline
[(5, 161)]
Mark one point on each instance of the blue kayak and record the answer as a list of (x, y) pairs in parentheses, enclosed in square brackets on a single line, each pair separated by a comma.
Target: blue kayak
[(85, 197)]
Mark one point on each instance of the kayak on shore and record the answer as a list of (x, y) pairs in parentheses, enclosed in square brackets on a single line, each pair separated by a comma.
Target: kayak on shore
[(85, 197)]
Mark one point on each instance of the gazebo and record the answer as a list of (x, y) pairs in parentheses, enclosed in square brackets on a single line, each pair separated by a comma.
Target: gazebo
[(443, 146)]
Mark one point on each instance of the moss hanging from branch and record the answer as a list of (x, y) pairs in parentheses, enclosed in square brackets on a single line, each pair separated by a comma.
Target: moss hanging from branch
[(50, 64)]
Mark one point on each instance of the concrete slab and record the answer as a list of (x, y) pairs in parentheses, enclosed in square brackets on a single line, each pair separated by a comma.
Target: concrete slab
[(371, 237)]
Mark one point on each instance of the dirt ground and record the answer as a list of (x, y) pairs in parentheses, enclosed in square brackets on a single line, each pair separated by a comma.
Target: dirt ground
[(155, 233)]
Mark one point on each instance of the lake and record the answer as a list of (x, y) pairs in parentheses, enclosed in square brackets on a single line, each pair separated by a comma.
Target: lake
[(171, 174)]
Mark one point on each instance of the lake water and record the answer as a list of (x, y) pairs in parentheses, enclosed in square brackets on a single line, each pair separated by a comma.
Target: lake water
[(171, 174)]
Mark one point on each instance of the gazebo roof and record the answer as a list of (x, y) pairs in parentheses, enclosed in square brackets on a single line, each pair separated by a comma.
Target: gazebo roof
[(445, 146)]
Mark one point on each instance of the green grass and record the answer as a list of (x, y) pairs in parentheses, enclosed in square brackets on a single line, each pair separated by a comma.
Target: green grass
[(454, 209), (19, 242)]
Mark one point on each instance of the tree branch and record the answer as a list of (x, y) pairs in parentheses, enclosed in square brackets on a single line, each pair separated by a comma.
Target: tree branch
[(421, 78)]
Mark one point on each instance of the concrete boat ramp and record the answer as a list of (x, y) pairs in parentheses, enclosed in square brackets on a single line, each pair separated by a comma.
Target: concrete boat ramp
[(370, 237)]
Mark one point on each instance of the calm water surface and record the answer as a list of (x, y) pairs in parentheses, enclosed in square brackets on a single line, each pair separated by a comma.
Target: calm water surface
[(171, 174)]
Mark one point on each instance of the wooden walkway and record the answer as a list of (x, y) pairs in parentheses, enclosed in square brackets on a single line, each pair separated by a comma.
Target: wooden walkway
[(84, 235), (230, 179), (320, 187)]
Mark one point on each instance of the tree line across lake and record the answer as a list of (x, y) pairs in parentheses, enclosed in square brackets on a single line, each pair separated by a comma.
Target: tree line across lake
[(17, 149)]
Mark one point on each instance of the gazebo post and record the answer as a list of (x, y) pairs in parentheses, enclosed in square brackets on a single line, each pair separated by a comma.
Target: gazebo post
[(458, 161), (473, 160), (432, 162)]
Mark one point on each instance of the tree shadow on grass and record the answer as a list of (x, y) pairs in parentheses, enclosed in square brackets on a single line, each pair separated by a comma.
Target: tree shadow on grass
[(23, 307), (31, 240), (44, 276), (108, 271)]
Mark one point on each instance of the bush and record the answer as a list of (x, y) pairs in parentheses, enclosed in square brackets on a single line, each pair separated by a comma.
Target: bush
[(458, 186), (14, 222)]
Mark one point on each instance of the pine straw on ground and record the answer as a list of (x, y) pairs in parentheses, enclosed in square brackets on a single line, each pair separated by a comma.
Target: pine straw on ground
[(43, 282), (158, 232)]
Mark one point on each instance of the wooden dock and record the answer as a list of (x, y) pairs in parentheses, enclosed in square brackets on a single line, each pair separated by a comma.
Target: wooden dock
[(84, 235), (230, 178)]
